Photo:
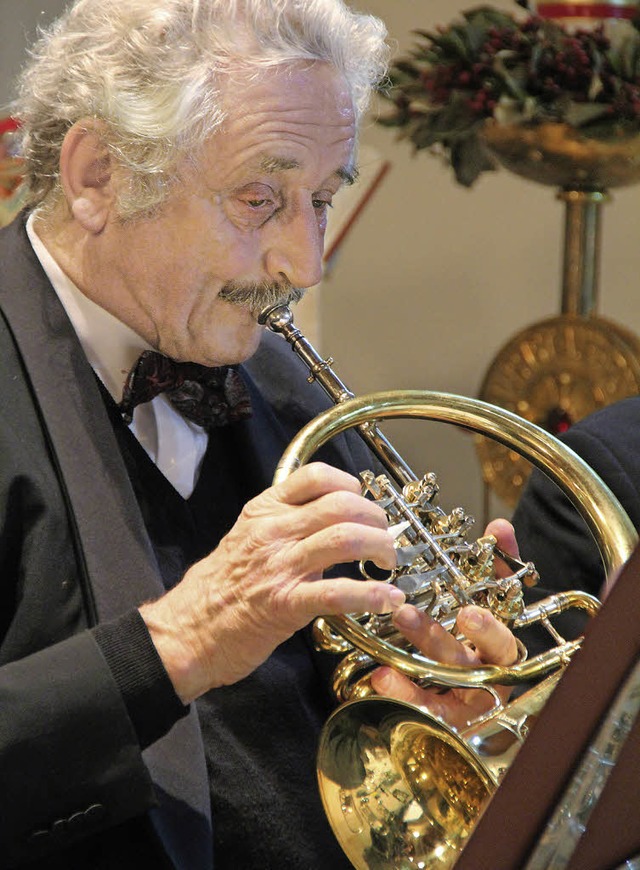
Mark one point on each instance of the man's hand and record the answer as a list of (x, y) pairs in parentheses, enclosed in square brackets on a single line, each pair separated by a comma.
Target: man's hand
[(491, 643), (264, 581)]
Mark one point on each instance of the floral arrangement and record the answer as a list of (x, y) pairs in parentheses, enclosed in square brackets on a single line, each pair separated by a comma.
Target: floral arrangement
[(491, 68)]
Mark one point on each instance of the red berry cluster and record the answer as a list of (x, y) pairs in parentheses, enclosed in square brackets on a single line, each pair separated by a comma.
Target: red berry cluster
[(476, 76), (545, 63), (564, 68)]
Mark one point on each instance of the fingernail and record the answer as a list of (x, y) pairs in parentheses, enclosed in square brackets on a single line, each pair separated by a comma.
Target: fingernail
[(407, 618), (383, 680), (473, 619), (396, 597)]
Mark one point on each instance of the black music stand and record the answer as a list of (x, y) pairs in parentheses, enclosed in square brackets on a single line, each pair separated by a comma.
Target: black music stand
[(517, 815)]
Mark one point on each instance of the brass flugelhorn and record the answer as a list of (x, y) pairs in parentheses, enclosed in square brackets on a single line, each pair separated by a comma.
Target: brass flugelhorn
[(402, 789)]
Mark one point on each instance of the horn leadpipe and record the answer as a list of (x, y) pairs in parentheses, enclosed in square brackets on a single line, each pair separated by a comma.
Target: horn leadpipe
[(279, 319)]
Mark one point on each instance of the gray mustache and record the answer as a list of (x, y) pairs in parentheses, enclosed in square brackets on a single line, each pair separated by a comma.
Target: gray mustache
[(259, 296)]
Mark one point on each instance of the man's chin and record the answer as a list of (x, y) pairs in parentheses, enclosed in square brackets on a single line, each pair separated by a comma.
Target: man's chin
[(245, 346), (254, 343)]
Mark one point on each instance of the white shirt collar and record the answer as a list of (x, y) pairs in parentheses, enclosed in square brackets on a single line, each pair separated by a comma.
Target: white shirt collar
[(176, 445), (110, 345)]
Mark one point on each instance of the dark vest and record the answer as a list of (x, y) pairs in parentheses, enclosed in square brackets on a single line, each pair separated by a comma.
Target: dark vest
[(261, 734)]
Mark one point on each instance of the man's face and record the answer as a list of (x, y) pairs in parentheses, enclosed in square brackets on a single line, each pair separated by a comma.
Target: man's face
[(252, 215)]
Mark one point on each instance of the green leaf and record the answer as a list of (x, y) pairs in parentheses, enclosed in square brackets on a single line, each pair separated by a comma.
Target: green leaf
[(450, 120), (460, 44), (579, 114), (486, 17), (451, 44), (595, 88), (425, 34), (469, 160), (511, 79), (404, 69)]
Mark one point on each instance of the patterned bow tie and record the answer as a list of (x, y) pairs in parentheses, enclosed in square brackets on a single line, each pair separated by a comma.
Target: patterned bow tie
[(207, 396)]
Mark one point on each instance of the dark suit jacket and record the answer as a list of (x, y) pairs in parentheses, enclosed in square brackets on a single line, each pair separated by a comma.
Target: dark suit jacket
[(549, 530), (74, 551)]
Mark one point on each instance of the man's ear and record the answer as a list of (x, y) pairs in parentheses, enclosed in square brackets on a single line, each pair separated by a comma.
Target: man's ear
[(86, 172)]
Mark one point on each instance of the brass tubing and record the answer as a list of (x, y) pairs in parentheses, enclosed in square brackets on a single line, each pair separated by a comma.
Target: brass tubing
[(280, 320), (595, 501)]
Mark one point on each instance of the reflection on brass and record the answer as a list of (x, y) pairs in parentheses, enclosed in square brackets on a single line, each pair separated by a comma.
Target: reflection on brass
[(414, 788), (558, 155), (554, 373), (419, 792)]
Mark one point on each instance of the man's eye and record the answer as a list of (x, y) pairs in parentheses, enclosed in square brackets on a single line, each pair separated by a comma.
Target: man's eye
[(258, 203), (320, 204)]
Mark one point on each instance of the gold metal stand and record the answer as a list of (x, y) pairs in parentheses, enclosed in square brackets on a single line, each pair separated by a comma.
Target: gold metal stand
[(558, 370), (581, 265)]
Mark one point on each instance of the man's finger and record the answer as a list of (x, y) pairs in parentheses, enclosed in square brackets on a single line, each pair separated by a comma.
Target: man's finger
[(343, 595), (493, 641), (505, 536), (332, 508), (313, 481), (430, 637), (343, 542), (393, 684)]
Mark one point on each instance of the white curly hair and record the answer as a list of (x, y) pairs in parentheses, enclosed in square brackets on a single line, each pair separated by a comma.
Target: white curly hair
[(151, 71)]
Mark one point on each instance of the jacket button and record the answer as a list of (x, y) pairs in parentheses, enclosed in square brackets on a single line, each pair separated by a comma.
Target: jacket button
[(94, 813), (59, 829), (76, 823)]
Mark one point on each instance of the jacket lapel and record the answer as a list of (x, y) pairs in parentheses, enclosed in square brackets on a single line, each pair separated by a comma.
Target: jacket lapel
[(112, 541)]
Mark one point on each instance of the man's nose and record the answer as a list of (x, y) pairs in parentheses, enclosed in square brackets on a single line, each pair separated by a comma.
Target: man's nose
[(295, 247)]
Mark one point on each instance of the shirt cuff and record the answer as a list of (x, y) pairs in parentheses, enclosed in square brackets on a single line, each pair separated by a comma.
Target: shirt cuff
[(151, 701)]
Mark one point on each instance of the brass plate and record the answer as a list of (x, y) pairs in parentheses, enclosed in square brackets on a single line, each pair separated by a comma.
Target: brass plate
[(554, 373)]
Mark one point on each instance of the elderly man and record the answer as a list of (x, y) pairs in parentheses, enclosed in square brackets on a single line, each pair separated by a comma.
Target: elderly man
[(157, 669)]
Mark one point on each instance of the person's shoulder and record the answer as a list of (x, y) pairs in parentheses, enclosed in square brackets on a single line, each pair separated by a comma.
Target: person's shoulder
[(609, 441), (14, 232), (283, 379), (615, 418), (16, 254)]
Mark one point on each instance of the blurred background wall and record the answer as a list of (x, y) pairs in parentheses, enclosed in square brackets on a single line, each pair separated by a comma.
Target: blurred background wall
[(432, 278)]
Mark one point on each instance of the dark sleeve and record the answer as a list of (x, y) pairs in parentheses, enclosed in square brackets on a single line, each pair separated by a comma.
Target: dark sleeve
[(71, 736), (550, 530), (147, 691), (70, 758)]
